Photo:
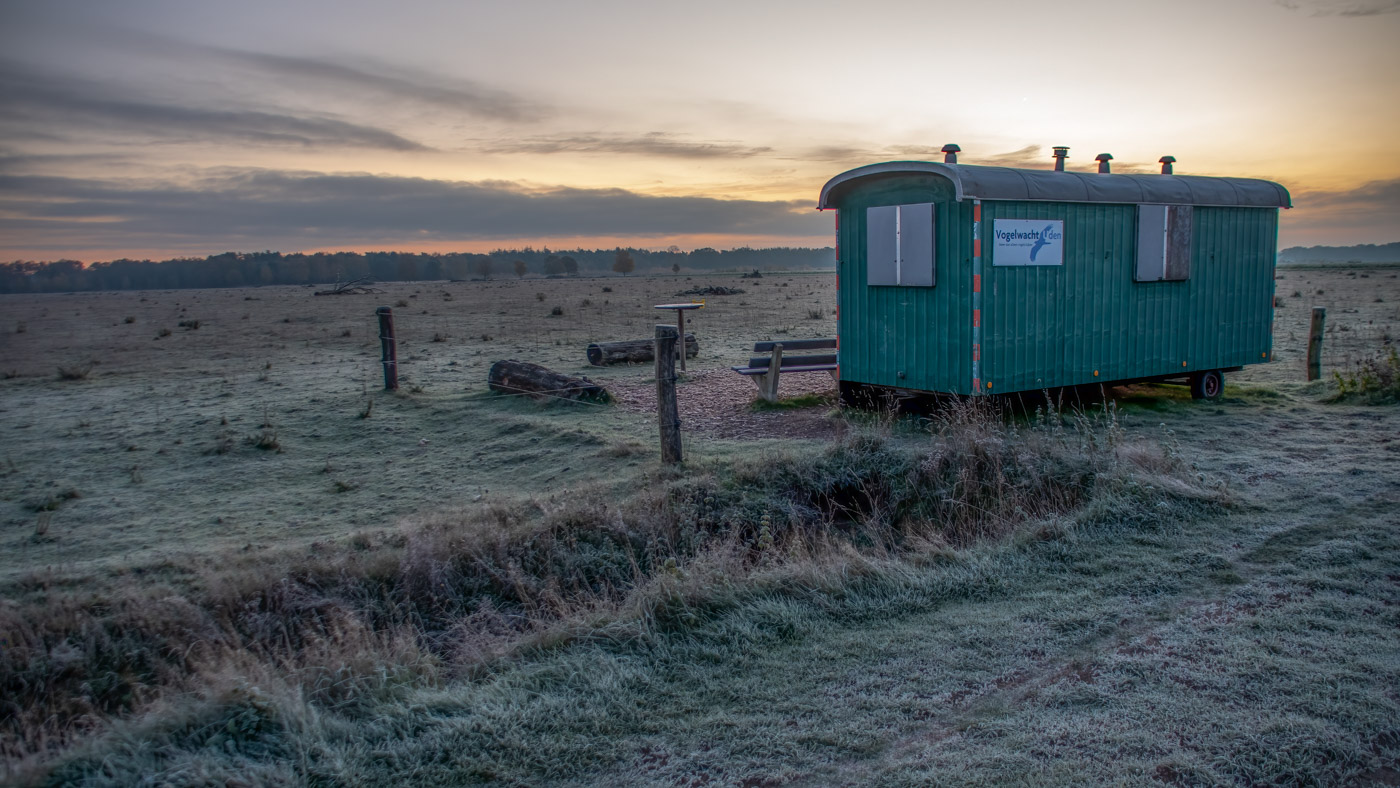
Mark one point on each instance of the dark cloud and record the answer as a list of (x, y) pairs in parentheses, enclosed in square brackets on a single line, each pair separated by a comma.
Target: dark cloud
[(1382, 194), (653, 144), (1375, 204), (1029, 156), (462, 96), (46, 105), (263, 207), (1346, 8)]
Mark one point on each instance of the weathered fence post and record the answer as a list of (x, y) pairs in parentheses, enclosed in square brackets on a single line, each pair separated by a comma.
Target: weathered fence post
[(1315, 343), (680, 331), (667, 411), (388, 348)]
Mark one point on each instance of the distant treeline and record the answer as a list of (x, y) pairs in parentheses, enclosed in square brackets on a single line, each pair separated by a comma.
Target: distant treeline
[(244, 269), (1362, 253)]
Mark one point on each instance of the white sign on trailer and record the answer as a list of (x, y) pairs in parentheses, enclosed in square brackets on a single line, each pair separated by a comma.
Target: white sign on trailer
[(1028, 242)]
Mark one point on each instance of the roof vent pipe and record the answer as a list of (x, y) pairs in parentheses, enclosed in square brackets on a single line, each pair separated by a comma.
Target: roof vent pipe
[(1167, 164), (1103, 160), (950, 153), (1061, 153)]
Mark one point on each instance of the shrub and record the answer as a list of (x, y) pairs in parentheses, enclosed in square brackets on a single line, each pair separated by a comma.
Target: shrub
[(1374, 380), (75, 371), (557, 311), (265, 440)]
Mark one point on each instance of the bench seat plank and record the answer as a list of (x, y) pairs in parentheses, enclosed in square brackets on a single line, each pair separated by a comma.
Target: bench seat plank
[(757, 362), (795, 344), (785, 368)]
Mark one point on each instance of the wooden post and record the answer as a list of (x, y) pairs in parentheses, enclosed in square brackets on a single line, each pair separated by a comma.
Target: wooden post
[(667, 411), (680, 331), (1315, 343), (388, 348)]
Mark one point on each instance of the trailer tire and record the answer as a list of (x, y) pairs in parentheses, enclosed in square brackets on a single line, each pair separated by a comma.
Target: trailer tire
[(1209, 384)]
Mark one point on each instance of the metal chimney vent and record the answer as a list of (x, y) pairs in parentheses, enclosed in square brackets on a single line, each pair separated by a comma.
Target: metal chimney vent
[(1061, 153), (1167, 162), (950, 153), (1103, 159)]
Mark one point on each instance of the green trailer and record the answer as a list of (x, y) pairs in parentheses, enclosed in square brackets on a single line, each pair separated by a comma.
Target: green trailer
[(978, 280)]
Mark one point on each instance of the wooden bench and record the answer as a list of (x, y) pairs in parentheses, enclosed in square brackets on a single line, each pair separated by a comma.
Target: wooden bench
[(764, 370)]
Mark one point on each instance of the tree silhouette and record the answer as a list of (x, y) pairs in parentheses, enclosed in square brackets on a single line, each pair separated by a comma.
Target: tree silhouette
[(570, 265), (675, 268), (623, 262), (520, 268), (482, 266)]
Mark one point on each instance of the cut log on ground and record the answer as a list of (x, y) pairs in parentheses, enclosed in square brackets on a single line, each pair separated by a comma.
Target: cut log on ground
[(636, 351), (522, 377)]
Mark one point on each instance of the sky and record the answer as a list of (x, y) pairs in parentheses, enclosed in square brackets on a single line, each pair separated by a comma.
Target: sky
[(159, 128)]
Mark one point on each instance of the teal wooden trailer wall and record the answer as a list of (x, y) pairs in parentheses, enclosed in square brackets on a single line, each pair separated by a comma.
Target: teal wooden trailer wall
[(1086, 320), (1089, 321), (907, 337)]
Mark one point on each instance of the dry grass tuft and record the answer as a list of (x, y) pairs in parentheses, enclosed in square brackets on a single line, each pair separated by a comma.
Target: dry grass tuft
[(75, 371)]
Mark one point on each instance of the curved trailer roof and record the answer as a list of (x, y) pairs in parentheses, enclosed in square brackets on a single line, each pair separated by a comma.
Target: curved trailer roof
[(972, 181)]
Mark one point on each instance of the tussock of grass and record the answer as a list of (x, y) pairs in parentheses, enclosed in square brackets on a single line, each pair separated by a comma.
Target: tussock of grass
[(1374, 381), (342, 626), (75, 371)]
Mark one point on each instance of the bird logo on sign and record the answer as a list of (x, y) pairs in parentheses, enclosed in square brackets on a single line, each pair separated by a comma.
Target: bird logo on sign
[(1041, 242)]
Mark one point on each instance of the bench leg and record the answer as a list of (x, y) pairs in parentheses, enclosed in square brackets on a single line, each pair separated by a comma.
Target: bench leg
[(775, 367), (762, 382), (767, 385)]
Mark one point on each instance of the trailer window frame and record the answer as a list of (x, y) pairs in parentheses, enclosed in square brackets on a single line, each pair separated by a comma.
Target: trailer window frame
[(901, 245), (1164, 234)]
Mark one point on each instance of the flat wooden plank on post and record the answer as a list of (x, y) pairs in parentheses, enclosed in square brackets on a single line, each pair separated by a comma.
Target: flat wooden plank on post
[(668, 417), (1319, 316), (680, 318)]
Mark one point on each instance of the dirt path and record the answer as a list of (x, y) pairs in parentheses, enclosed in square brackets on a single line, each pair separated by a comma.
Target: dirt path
[(720, 403)]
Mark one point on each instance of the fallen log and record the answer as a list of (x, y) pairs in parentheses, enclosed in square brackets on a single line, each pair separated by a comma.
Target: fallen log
[(359, 286), (522, 377), (636, 351)]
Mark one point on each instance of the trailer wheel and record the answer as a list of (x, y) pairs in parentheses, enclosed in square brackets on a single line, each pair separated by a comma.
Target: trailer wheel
[(1207, 385)]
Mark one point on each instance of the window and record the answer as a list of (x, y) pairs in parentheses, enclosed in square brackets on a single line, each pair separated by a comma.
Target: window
[(899, 245), (1164, 243)]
